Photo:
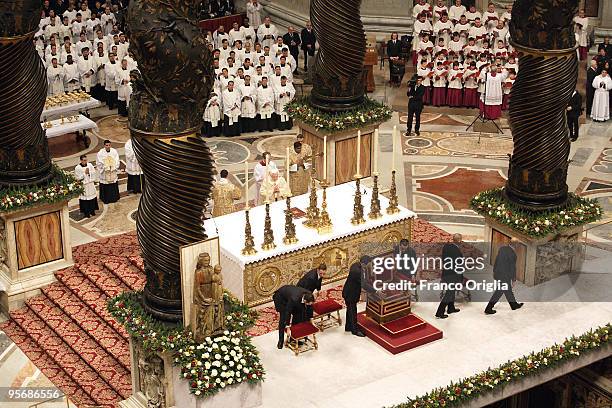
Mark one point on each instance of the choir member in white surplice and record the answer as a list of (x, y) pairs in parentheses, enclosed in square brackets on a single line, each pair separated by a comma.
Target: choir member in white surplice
[(86, 174), (231, 110), (601, 102), (283, 94), (265, 105), (260, 172), (110, 86), (212, 116), (133, 170), (248, 110), (456, 11), (124, 89), (87, 71), (107, 163), (581, 27), (491, 100), (253, 9), (71, 75), (55, 78), (267, 33), (101, 59)]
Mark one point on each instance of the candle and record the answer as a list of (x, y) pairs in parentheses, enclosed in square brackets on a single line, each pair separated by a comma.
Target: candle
[(246, 183), (393, 150), (375, 148), (359, 152), (287, 165), (324, 157)]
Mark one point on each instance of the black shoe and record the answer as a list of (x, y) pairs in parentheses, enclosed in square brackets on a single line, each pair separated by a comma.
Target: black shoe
[(454, 310), (418, 133), (358, 333), (279, 345), (490, 311), (408, 133), (443, 316), (573, 139), (516, 305)]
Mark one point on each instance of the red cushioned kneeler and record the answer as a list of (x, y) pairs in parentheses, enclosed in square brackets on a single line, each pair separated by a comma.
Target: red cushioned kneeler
[(324, 310), (301, 331)]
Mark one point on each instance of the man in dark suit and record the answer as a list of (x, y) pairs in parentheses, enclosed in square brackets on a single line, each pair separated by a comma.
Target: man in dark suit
[(574, 109), (351, 292), (312, 281), (292, 39), (308, 43), (290, 301), (416, 92), (450, 253), (394, 52), (504, 272), (592, 72), (403, 251)]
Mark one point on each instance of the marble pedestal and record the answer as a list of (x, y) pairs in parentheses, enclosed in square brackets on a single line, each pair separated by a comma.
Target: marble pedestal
[(34, 243), (341, 151), (538, 259), (156, 382)]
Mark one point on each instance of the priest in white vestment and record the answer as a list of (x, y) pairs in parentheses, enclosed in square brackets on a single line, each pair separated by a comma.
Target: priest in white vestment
[(267, 33), (581, 27), (283, 94), (110, 86), (231, 110), (55, 78), (601, 101), (86, 174), (274, 187), (253, 9), (260, 172), (107, 163), (71, 76), (265, 105), (492, 98), (87, 70), (248, 110), (133, 170), (212, 116), (124, 89)]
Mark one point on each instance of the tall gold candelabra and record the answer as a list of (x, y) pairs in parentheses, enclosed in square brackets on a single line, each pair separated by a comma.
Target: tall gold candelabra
[(249, 243), (290, 237), (357, 206), (325, 224), (312, 212), (375, 203), (268, 241), (393, 202)]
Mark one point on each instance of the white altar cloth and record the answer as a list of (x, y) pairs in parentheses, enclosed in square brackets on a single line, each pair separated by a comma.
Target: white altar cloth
[(73, 107), (58, 129)]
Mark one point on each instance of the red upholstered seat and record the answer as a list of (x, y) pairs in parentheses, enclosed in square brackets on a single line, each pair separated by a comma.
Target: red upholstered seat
[(326, 306), (302, 330)]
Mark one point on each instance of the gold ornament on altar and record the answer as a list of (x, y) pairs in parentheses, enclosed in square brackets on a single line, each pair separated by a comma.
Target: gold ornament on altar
[(375, 203), (268, 241), (62, 119), (325, 224), (393, 201), (312, 212), (290, 237), (357, 206), (249, 243)]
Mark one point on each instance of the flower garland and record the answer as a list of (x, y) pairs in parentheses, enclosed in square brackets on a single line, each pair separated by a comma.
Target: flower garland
[(369, 112), (218, 362), (62, 186), (578, 211), (477, 385)]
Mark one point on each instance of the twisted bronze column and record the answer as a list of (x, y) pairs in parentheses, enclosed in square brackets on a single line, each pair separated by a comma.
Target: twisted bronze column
[(24, 151), (542, 32), (338, 72), (165, 117)]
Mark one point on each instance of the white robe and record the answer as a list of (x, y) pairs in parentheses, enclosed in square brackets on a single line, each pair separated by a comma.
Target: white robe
[(107, 164), (87, 72), (249, 34), (55, 80), (88, 181), (601, 101), (231, 105), (267, 35), (100, 63), (455, 13), (110, 72), (71, 73), (82, 44), (212, 113), (259, 173), (131, 163), (123, 90), (282, 96), (254, 13), (495, 93), (107, 21), (583, 32), (248, 97)]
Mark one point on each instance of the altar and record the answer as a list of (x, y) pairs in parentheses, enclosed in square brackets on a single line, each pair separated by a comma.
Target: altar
[(254, 278)]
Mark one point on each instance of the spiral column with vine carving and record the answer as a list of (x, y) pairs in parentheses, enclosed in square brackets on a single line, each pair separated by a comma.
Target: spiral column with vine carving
[(543, 34), (338, 72), (24, 151), (165, 116)]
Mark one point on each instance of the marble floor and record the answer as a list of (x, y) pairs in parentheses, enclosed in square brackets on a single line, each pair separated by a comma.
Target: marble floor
[(442, 169)]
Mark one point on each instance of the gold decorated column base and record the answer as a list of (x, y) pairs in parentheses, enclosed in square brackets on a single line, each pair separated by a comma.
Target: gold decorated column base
[(357, 206), (249, 243), (268, 241), (290, 237), (325, 224), (393, 201), (375, 203)]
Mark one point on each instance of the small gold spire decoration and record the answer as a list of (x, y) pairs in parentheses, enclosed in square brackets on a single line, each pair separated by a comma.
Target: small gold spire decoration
[(357, 206), (290, 237), (312, 212), (375, 203), (393, 204), (325, 223), (268, 241), (249, 243)]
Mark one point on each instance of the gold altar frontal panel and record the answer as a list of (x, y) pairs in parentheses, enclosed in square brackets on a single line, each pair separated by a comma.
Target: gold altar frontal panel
[(262, 279)]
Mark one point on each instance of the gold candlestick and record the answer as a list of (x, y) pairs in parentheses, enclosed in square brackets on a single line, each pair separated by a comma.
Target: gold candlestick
[(268, 242), (249, 243), (325, 224), (312, 212), (393, 204), (375, 203), (357, 206), (290, 237)]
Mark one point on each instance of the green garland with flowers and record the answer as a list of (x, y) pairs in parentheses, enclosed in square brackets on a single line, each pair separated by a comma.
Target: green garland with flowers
[(495, 378), (218, 362), (62, 186), (367, 113), (577, 211)]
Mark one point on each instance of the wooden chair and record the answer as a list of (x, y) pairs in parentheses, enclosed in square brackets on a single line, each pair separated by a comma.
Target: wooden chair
[(324, 310), (301, 332)]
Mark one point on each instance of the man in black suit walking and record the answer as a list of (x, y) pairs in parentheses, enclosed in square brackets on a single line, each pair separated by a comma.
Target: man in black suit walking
[(351, 292), (312, 281), (450, 253), (504, 272), (308, 43), (592, 72), (416, 91), (290, 301), (574, 109)]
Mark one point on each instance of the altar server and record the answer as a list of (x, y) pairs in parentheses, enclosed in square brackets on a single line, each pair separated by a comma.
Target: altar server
[(248, 110), (87, 71), (581, 27), (443, 28), (265, 105), (283, 94), (600, 112), (100, 59), (455, 85), (224, 194), (290, 301), (212, 116), (107, 20), (110, 85), (267, 33), (470, 79), (439, 85), (124, 88), (351, 292), (86, 174), (299, 170), (83, 43), (55, 78), (107, 163), (231, 110), (274, 187), (71, 75), (260, 172), (133, 170)]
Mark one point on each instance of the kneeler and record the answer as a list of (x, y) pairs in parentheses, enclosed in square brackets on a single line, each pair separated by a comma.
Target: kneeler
[(301, 332), (325, 318)]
